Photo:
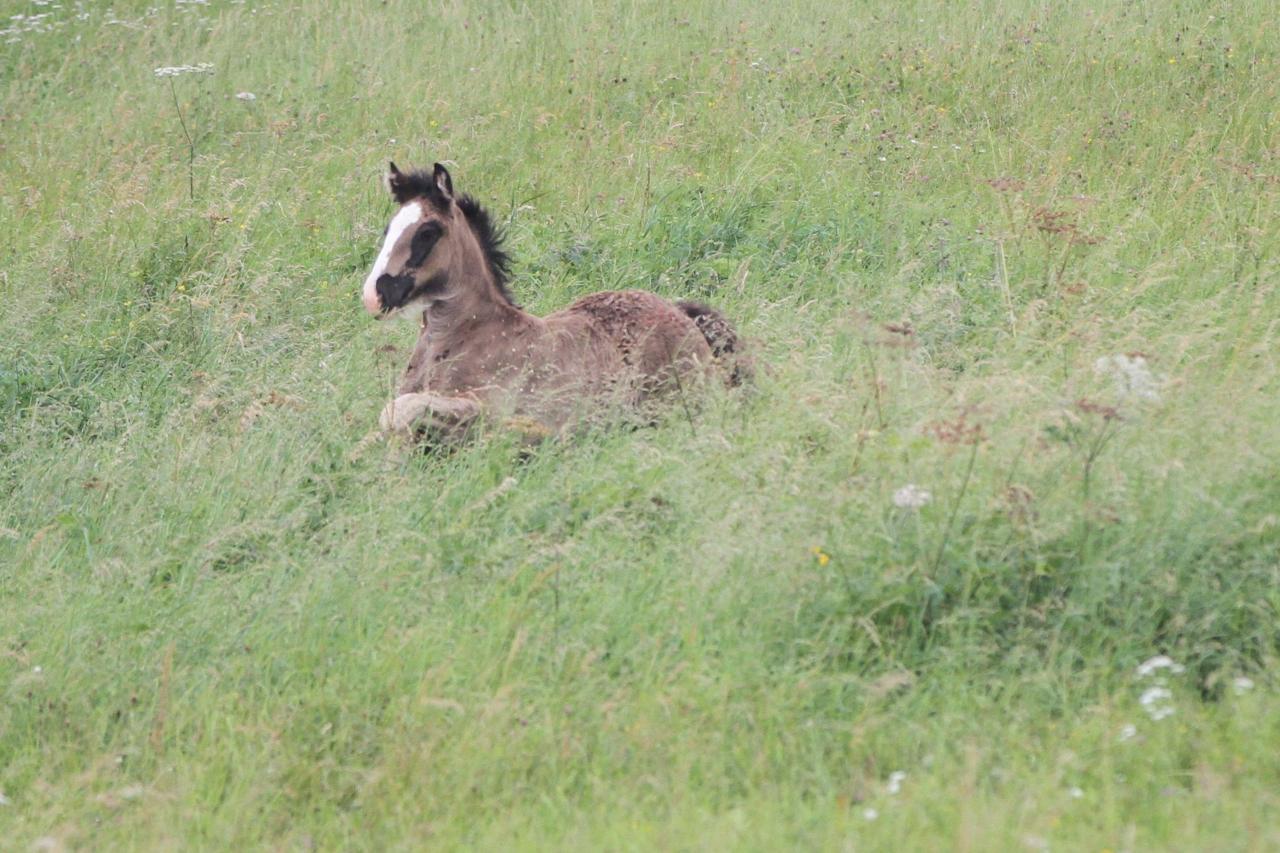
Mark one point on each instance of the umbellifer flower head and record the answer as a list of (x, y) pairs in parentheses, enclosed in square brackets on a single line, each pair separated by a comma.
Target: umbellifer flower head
[(1151, 666), (911, 496), (1132, 376), (1158, 702), (179, 70)]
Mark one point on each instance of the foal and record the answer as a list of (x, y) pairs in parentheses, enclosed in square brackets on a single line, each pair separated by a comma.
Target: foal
[(478, 352)]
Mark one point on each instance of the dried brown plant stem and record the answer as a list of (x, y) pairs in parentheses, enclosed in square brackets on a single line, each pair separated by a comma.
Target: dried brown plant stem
[(875, 385)]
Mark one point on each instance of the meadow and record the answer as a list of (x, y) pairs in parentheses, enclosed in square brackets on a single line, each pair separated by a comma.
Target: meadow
[(988, 558)]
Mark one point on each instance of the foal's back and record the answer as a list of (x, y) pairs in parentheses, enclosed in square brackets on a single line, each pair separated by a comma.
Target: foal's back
[(651, 335)]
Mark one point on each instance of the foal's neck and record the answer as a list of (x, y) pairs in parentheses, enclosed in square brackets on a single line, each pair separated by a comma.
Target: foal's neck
[(475, 301)]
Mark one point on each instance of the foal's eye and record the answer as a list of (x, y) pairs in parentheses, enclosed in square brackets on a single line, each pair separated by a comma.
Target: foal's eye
[(422, 243)]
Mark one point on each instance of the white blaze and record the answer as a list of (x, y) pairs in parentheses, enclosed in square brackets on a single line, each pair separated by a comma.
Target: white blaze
[(408, 215)]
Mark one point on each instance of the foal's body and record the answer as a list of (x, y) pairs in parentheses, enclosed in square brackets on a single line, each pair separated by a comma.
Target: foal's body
[(478, 352)]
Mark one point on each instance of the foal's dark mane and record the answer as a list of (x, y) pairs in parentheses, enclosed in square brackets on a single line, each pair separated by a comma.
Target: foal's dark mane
[(491, 239), (422, 184)]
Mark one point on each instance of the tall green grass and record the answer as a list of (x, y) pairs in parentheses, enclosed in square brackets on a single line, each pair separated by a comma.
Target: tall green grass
[(938, 226)]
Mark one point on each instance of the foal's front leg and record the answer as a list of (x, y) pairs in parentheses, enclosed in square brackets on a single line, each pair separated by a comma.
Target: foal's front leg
[(427, 412)]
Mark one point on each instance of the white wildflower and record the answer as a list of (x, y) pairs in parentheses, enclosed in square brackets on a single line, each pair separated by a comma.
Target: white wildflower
[(911, 496), (1075, 793), (1132, 378), (1127, 732), (895, 781), (1151, 666), (1242, 684), (37, 669), (5, 801), (870, 814), (246, 96), (1157, 701), (179, 70)]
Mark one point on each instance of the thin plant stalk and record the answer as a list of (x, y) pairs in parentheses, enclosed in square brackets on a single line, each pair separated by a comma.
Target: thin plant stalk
[(191, 144), (1091, 456), (1002, 277), (955, 509)]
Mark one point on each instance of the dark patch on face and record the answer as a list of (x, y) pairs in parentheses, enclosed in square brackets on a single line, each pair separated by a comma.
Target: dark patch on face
[(424, 240), (393, 290), (397, 291)]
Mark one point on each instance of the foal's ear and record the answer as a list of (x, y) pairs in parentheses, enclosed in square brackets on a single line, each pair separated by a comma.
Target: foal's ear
[(443, 182), (396, 183)]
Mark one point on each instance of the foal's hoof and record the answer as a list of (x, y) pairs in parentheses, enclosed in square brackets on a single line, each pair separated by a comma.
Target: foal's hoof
[(400, 414)]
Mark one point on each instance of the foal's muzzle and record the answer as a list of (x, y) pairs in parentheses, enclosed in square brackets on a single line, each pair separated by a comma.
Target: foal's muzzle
[(390, 292)]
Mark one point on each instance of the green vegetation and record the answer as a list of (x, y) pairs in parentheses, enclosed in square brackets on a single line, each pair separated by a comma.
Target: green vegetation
[(1013, 268)]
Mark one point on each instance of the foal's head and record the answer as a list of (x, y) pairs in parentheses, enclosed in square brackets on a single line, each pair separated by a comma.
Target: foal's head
[(436, 246)]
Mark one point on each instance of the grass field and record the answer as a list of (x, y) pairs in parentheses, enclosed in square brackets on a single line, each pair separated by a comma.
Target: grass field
[(1012, 267)]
